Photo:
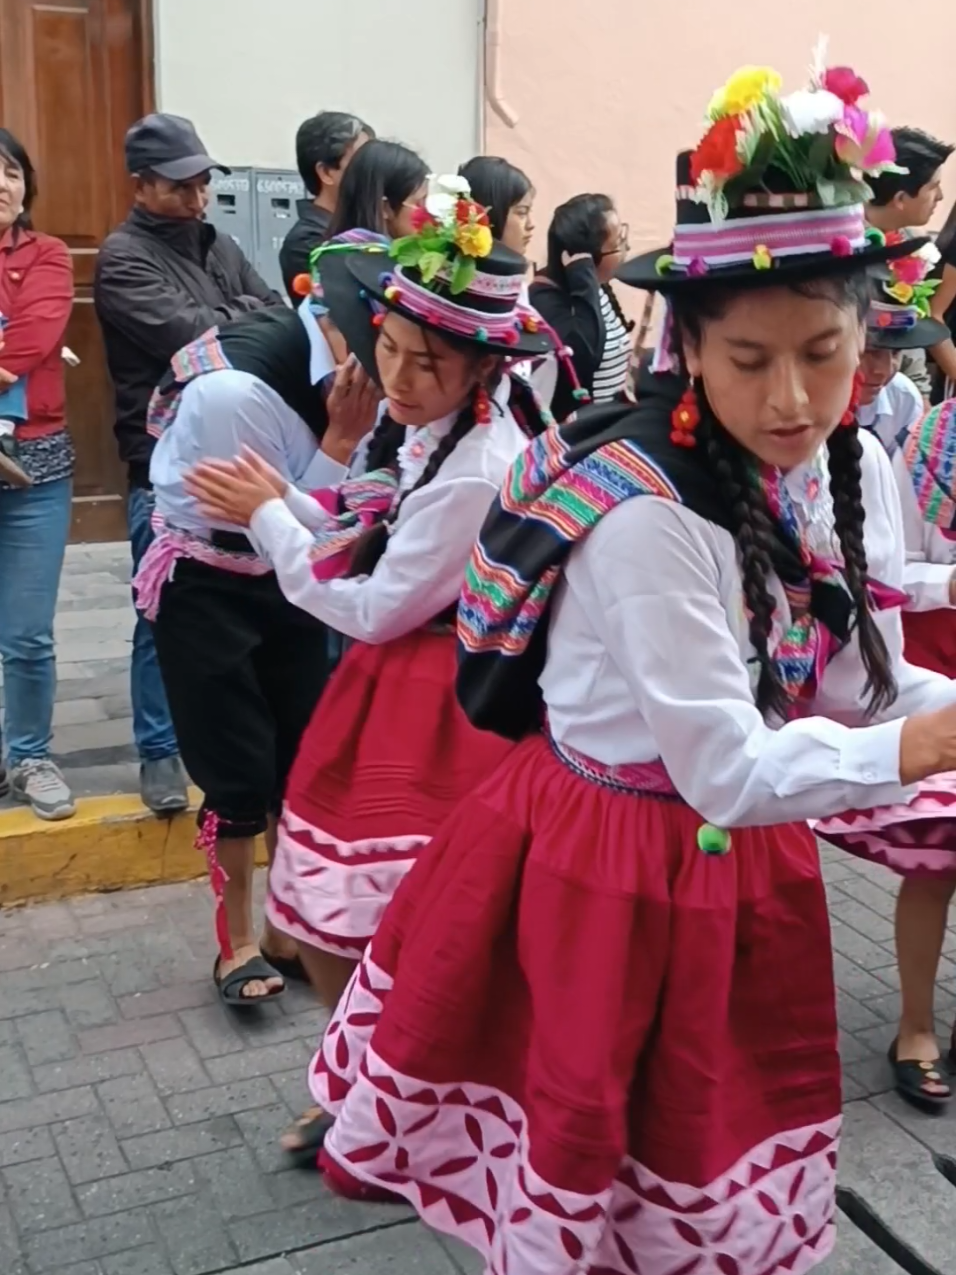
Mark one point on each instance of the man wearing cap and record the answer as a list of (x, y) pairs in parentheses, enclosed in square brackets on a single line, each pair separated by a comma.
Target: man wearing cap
[(163, 278)]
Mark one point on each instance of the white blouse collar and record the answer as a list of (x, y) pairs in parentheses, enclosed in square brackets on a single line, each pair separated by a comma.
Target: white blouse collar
[(809, 488), (421, 442)]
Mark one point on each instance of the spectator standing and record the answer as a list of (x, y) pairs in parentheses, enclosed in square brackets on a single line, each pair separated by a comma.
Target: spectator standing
[(36, 296), (385, 183), (324, 148), (587, 244), (506, 193), (162, 279), (905, 202)]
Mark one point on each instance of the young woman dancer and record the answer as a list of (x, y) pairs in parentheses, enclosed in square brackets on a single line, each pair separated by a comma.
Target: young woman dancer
[(917, 841), (595, 1029), (382, 559)]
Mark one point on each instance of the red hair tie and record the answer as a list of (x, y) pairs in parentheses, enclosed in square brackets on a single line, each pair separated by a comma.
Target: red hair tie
[(685, 418), (848, 419)]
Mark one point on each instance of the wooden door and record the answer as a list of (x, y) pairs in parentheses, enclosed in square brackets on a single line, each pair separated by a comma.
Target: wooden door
[(74, 74)]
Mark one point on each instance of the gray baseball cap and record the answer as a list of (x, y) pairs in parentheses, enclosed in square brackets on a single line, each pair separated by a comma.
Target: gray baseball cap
[(169, 146)]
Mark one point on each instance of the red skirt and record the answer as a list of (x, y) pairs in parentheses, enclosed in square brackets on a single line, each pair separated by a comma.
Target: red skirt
[(579, 1044), (387, 755), (917, 839)]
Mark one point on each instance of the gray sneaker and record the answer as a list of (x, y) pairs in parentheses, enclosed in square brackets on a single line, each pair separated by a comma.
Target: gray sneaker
[(162, 786), (38, 783)]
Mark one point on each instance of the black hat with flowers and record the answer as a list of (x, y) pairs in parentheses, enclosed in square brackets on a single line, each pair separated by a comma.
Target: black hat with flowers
[(776, 188), (899, 315)]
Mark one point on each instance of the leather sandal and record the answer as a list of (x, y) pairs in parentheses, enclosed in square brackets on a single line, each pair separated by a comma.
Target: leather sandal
[(913, 1078)]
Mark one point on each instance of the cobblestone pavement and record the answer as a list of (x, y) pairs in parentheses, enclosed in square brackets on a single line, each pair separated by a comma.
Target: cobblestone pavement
[(93, 732), (138, 1119)]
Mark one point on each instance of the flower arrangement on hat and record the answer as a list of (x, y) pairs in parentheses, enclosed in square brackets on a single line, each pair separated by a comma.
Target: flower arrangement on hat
[(451, 234), (819, 140), (909, 281)]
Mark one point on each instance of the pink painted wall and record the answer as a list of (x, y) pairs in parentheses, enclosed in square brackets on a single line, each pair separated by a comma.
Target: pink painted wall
[(607, 91)]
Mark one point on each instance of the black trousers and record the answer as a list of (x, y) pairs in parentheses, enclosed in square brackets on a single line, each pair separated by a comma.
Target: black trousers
[(243, 670)]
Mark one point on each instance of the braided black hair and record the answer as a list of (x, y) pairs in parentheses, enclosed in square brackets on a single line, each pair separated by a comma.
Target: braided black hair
[(752, 524), (628, 324)]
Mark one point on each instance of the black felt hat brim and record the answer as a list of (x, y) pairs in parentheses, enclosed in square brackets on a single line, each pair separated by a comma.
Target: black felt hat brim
[(367, 269), (348, 310), (927, 332), (641, 271)]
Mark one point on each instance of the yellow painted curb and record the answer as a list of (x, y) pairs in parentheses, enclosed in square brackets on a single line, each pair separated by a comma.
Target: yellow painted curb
[(111, 843)]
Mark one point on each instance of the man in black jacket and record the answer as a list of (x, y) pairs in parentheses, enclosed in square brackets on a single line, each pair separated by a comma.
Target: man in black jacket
[(324, 146), (162, 279)]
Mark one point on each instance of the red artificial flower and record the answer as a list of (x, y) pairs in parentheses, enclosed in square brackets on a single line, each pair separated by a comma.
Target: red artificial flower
[(845, 84), (894, 237), (421, 218), (717, 151)]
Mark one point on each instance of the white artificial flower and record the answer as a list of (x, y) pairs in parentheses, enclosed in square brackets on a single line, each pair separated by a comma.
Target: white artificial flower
[(930, 254), (444, 193), (810, 111), (818, 63)]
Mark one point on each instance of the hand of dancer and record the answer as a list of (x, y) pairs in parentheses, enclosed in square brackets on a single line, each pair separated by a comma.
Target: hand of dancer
[(353, 407), (569, 258), (928, 745), (232, 490)]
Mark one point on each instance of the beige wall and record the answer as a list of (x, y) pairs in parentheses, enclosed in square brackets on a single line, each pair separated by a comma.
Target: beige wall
[(607, 92), (247, 72)]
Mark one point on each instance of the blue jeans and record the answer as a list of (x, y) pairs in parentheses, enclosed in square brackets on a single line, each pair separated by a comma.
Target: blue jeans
[(152, 724), (34, 526)]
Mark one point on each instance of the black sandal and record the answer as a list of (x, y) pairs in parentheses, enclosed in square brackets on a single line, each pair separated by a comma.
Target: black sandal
[(290, 967), (255, 970), (311, 1129), (911, 1077)]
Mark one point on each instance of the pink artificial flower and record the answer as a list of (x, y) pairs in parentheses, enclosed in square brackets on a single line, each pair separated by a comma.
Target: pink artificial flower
[(845, 84), (840, 246), (909, 269), (863, 141), (696, 267)]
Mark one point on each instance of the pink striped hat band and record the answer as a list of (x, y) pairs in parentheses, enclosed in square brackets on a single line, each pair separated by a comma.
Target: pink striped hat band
[(503, 327), (831, 231), (883, 317)]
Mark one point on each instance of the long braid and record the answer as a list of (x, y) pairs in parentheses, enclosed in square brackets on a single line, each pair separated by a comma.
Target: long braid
[(845, 454), (752, 532), (370, 546), (628, 324)]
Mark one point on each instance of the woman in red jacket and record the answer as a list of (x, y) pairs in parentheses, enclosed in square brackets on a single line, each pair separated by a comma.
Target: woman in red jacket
[(36, 471)]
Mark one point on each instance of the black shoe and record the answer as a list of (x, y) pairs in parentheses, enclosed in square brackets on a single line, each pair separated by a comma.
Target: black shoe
[(162, 786)]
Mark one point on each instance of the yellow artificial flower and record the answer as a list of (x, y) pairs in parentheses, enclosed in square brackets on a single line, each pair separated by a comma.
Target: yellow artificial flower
[(474, 240), (902, 292), (745, 88)]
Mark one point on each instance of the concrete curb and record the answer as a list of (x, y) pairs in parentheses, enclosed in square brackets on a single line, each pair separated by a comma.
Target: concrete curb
[(111, 843)]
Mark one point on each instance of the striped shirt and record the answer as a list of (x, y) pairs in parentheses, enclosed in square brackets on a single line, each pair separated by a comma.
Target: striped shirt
[(611, 375)]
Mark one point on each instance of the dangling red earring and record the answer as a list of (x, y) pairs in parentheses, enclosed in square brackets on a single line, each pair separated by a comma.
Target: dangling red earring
[(849, 416), (685, 418), (482, 406)]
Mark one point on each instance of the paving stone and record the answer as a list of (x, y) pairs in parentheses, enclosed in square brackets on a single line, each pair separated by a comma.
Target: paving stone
[(15, 1079), (326, 1218), (396, 1250), (89, 1240), (235, 1183), (137, 1189), (261, 1129), (140, 1031), (87, 1071), (10, 1252), (895, 1175), (39, 1195), (133, 1106), (175, 1067), (24, 1145), (88, 1149), (46, 1037), (258, 1062), (465, 1258), (168, 1000), (220, 1100), (275, 1266), (48, 1109), (856, 1255), (937, 1132), (210, 1032), (149, 1150), (141, 1261), (195, 1238), (91, 1005), (856, 1016)]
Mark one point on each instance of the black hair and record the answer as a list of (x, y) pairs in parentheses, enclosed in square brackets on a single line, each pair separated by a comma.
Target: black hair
[(13, 149), (387, 438), (325, 139), (750, 517), (380, 172), (579, 225), (948, 232), (920, 154), (497, 186)]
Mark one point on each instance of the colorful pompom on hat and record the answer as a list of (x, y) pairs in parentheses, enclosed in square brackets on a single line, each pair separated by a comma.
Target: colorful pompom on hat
[(929, 453), (899, 317), (776, 188), (309, 284)]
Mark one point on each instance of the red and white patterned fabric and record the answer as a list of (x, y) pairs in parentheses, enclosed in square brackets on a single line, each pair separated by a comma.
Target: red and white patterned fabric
[(387, 755), (918, 839), (579, 1044)]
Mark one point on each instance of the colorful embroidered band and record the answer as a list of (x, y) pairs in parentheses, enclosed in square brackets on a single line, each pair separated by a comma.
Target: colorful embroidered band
[(883, 317), (451, 316), (929, 453), (347, 241), (698, 247)]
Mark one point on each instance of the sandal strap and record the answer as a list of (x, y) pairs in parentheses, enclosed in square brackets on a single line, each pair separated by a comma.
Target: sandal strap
[(255, 970)]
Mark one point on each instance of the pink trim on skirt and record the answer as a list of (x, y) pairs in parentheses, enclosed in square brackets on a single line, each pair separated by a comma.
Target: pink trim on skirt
[(916, 839)]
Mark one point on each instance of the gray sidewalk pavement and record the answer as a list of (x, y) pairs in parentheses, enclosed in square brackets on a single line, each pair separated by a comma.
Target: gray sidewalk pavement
[(139, 1119)]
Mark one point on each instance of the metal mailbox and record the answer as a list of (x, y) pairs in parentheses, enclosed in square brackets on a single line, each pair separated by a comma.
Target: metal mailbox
[(276, 195), (231, 208)]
